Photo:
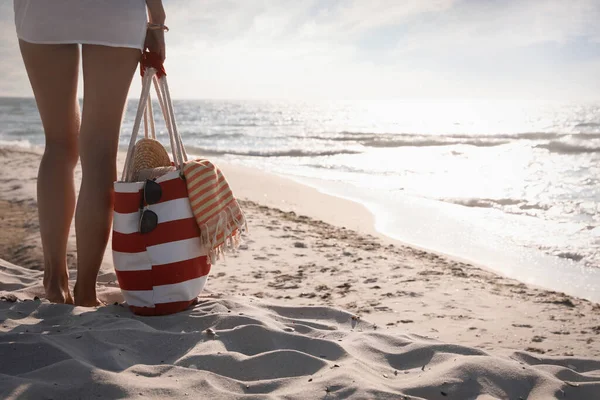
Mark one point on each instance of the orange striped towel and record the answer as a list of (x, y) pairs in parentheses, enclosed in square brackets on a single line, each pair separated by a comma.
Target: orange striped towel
[(219, 216)]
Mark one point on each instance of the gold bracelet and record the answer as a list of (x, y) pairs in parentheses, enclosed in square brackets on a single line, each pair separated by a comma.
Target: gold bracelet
[(156, 27)]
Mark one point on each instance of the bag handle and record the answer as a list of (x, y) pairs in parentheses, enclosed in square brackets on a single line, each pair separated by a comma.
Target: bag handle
[(153, 71), (149, 120), (153, 60)]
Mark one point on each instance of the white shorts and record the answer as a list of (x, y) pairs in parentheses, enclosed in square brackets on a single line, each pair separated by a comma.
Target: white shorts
[(117, 23)]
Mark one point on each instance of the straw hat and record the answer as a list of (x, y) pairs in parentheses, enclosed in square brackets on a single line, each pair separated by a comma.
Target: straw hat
[(149, 154)]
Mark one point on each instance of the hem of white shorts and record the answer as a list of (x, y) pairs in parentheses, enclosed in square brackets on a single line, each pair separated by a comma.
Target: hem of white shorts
[(94, 42)]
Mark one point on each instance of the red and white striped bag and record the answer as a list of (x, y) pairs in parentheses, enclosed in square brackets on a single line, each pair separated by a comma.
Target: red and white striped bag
[(162, 271)]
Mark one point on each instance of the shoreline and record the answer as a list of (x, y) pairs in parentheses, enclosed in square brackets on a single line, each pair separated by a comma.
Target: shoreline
[(525, 265)]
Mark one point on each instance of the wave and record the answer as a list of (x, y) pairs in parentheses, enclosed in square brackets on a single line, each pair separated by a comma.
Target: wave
[(588, 125), (372, 139), (554, 140), (570, 256), (273, 153), (586, 136), (21, 144), (358, 137), (325, 137), (239, 125), (375, 140), (567, 148), (497, 203), (348, 135), (220, 135), (430, 143), (484, 203), (357, 170)]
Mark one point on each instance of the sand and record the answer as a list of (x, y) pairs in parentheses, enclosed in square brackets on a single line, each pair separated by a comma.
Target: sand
[(315, 304)]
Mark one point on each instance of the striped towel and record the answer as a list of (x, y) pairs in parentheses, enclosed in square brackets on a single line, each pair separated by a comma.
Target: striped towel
[(217, 212)]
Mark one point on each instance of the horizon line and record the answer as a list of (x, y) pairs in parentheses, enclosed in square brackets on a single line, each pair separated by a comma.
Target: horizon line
[(346, 100)]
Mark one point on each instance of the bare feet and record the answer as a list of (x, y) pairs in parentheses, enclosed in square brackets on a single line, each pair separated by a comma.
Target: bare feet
[(57, 289), (86, 297), (89, 302)]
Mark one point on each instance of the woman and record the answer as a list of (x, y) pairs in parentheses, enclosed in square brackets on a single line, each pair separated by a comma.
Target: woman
[(111, 35)]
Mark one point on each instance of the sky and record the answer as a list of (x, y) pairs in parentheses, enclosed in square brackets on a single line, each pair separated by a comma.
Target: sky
[(368, 49)]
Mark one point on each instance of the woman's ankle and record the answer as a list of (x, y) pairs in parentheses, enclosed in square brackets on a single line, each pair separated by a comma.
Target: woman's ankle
[(56, 286), (85, 294)]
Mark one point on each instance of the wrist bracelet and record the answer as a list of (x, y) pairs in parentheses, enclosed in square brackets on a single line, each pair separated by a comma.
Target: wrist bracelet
[(156, 27)]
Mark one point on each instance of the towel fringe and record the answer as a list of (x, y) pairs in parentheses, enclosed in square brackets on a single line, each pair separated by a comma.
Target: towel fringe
[(228, 225)]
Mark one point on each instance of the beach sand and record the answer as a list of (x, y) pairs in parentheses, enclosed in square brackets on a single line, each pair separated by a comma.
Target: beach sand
[(315, 304)]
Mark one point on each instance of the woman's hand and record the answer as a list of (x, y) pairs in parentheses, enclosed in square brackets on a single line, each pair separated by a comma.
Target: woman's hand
[(155, 42), (155, 38)]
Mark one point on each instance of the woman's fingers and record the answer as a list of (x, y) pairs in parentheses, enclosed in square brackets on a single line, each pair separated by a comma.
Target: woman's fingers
[(160, 39), (155, 42)]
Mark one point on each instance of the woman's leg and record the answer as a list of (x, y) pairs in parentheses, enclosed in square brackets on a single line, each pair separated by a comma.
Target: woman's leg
[(107, 75), (53, 72)]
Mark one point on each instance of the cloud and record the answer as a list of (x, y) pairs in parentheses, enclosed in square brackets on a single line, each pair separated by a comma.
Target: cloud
[(514, 25), (380, 48)]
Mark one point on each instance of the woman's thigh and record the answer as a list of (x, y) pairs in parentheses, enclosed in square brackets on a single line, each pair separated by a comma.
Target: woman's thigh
[(107, 76), (53, 71)]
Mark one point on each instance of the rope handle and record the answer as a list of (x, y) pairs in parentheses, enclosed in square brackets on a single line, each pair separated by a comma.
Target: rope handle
[(149, 120), (152, 60), (151, 75)]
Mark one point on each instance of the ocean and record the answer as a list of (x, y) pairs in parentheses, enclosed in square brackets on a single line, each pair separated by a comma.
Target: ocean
[(511, 185)]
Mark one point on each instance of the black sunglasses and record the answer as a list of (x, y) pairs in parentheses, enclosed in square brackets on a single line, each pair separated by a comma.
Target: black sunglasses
[(152, 193)]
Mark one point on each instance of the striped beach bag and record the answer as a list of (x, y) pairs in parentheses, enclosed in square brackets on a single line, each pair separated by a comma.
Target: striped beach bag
[(160, 261)]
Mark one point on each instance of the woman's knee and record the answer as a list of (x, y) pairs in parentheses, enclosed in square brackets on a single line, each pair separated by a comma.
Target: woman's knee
[(63, 150)]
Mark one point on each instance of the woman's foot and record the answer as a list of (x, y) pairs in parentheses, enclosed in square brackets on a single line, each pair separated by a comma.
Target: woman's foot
[(57, 289), (86, 297), (93, 302)]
